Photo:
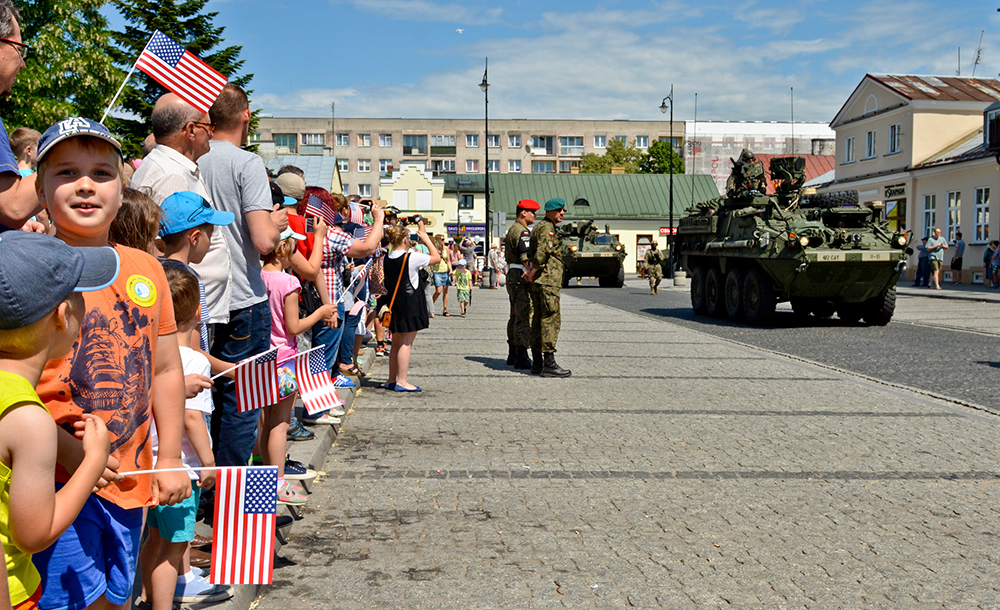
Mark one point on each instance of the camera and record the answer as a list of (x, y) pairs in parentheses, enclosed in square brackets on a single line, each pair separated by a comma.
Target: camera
[(410, 220)]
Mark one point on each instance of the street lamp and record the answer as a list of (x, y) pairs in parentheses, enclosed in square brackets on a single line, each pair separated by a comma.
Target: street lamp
[(485, 86), (670, 238)]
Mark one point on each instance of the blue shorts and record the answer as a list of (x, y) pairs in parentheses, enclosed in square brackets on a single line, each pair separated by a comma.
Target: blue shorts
[(176, 523), (442, 279), (95, 556)]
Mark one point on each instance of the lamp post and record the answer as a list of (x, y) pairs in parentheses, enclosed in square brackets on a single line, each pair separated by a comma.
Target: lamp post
[(670, 238), (485, 86)]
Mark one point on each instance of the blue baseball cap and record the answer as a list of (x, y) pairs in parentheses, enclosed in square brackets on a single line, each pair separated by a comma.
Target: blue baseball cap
[(70, 128), (186, 210), (37, 272)]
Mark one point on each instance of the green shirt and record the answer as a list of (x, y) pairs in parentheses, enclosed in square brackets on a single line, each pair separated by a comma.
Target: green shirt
[(545, 253), (463, 280)]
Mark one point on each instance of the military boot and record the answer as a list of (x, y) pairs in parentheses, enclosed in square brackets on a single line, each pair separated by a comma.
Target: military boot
[(550, 368), (536, 361), (522, 361), (511, 354)]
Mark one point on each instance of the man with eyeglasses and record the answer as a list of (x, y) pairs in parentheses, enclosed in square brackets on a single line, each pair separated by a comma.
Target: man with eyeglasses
[(18, 201), (182, 136)]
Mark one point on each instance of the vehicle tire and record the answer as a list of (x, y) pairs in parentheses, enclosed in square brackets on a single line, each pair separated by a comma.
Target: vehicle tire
[(824, 309), (619, 279), (714, 299), (697, 280), (850, 313), (802, 307), (833, 199), (759, 298), (878, 311), (733, 294)]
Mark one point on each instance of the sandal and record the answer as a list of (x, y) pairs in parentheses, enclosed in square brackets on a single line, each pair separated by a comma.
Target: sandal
[(446, 314), (352, 370)]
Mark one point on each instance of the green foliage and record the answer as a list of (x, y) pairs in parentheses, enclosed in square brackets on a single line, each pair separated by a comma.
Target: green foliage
[(69, 70), (617, 155), (184, 22), (661, 159)]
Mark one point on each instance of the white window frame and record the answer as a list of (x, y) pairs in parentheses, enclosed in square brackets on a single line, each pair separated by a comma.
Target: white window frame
[(364, 165), (870, 150), (313, 139), (365, 190), (364, 140), (385, 140), (384, 165), (894, 138), (344, 165), (442, 139), (493, 141), (345, 189), (343, 139), (930, 214), (849, 150), (954, 199), (600, 141), (472, 140), (622, 139), (981, 234), (472, 166), (493, 166), (513, 166), (537, 164), (513, 141), (642, 141)]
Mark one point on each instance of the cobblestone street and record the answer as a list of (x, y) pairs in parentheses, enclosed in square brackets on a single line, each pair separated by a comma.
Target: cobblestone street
[(672, 470)]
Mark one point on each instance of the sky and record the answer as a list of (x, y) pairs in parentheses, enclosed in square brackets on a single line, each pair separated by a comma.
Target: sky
[(582, 59)]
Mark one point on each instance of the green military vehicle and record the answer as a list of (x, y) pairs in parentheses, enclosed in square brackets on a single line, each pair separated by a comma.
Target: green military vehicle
[(589, 253), (748, 251)]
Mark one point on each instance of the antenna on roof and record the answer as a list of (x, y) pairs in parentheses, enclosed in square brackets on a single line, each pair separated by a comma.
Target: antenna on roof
[(979, 52), (959, 71), (792, 94)]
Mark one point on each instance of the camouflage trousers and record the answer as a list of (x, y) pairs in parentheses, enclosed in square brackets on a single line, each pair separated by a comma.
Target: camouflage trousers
[(655, 275), (545, 318), (519, 324)]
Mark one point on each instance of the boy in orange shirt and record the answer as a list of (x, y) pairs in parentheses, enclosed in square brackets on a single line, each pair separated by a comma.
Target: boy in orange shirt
[(125, 368)]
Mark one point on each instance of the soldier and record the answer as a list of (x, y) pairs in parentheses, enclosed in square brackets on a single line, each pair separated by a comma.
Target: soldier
[(516, 245), (654, 268), (546, 274)]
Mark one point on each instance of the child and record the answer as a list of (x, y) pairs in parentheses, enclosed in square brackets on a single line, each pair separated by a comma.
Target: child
[(40, 319), (463, 284), (24, 144), (137, 222), (171, 528), (124, 367), (283, 297)]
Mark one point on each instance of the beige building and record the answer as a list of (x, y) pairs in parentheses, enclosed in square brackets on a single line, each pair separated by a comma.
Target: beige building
[(911, 142), (368, 150)]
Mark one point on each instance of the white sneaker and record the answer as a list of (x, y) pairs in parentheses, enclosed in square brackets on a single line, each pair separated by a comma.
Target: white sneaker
[(325, 419), (337, 411), (287, 495)]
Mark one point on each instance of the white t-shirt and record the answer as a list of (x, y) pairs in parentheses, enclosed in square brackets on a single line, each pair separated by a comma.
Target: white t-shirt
[(194, 364), (414, 263)]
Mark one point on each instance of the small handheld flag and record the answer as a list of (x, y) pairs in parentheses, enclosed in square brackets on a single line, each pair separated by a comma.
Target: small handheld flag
[(181, 71), (315, 386), (257, 382), (243, 529)]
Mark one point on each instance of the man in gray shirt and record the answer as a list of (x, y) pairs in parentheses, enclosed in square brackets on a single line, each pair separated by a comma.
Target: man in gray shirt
[(237, 182), (956, 259), (936, 246)]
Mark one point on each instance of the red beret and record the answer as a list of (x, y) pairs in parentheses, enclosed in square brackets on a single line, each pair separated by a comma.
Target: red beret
[(528, 204)]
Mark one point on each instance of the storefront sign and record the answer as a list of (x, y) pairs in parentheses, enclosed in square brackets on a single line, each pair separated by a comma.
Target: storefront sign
[(895, 190), (462, 229), (668, 231)]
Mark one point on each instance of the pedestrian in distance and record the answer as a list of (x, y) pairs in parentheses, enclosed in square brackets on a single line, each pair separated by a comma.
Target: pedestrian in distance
[(546, 275), (988, 263), (517, 243), (463, 285), (923, 264), (653, 262), (936, 246), (956, 259)]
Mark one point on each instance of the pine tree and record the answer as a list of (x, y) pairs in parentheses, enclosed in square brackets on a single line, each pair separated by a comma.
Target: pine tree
[(184, 22), (69, 70)]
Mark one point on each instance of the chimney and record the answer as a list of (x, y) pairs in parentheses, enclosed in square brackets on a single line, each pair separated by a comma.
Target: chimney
[(617, 170)]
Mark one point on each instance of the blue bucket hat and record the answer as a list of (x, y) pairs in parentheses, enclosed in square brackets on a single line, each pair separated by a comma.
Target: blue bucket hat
[(185, 210), (556, 203), (70, 128)]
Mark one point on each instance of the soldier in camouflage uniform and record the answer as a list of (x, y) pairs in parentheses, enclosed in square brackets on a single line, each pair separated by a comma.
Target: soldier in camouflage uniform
[(516, 245), (546, 275), (653, 264)]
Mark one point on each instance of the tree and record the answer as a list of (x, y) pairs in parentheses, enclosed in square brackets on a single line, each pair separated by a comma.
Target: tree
[(184, 22), (662, 159), (69, 70), (617, 155)]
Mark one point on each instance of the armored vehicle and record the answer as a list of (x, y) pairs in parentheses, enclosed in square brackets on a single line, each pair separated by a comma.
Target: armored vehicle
[(747, 251), (589, 253)]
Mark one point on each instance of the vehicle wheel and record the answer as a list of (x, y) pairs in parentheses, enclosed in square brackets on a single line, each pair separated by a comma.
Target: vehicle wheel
[(619, 280), (759, 298), (833, 199), (849, 313), (714, 298), (733, 294), (878, 311), (697, 280), (824, 309), (801, 307)]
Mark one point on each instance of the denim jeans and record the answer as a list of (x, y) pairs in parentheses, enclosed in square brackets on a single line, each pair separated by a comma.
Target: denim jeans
[(248, 333), (349, 328)]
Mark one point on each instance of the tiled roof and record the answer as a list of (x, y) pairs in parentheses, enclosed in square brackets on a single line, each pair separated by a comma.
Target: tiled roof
[(941, 88), (319, 169), (816, 165)]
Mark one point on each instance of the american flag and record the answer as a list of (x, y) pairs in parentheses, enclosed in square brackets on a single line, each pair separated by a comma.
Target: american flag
[(243, 530), (317, 207), (180, 71), (315, 386), (257, 382)]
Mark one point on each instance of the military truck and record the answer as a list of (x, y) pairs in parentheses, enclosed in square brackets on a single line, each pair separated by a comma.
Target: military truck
[(589, 253), (748, 251)]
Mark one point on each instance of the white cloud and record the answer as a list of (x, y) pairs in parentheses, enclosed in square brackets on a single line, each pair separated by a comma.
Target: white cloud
[(425, 10)]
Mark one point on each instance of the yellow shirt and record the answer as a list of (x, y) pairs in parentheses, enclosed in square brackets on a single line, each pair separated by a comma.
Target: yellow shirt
[(22, 577)]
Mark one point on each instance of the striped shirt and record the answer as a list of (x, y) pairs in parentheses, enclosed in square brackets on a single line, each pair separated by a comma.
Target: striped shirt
[(335, 248)]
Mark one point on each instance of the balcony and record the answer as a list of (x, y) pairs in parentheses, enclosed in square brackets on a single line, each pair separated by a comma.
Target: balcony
[(571, 151), (415, 150), (443, 151), (549, 150)]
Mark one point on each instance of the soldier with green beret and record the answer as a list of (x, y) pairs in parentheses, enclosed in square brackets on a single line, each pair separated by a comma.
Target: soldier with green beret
[(654, 267), (546, 275), (516, 246)]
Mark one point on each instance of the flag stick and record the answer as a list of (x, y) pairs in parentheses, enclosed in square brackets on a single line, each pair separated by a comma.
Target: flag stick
[(231, 369), (119, 92), (196, 468)]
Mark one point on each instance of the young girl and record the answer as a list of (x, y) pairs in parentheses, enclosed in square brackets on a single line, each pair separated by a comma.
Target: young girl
[(283, 297)]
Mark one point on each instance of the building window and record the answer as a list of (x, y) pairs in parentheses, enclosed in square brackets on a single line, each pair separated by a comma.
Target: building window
[(444, 165), (571, 145), (471, 166), (622, 139), (870, 145), (364, 139), (513, 141), (543, 145), (513, 166), (365, 190), (493, 166), (849, 150), (600, 141), (313, 139), (930, 214), (343, 139), (983, 214), (954, 213), (566, 167), (255, 137), (493, 141), (472, 140), (443, 140), (343, 165), (642, 141), (894, 138), (345, 190), (385, 140), (364, 165), (285, 140), (466, 202), (414, 145), (384, 166), (543, 167)]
